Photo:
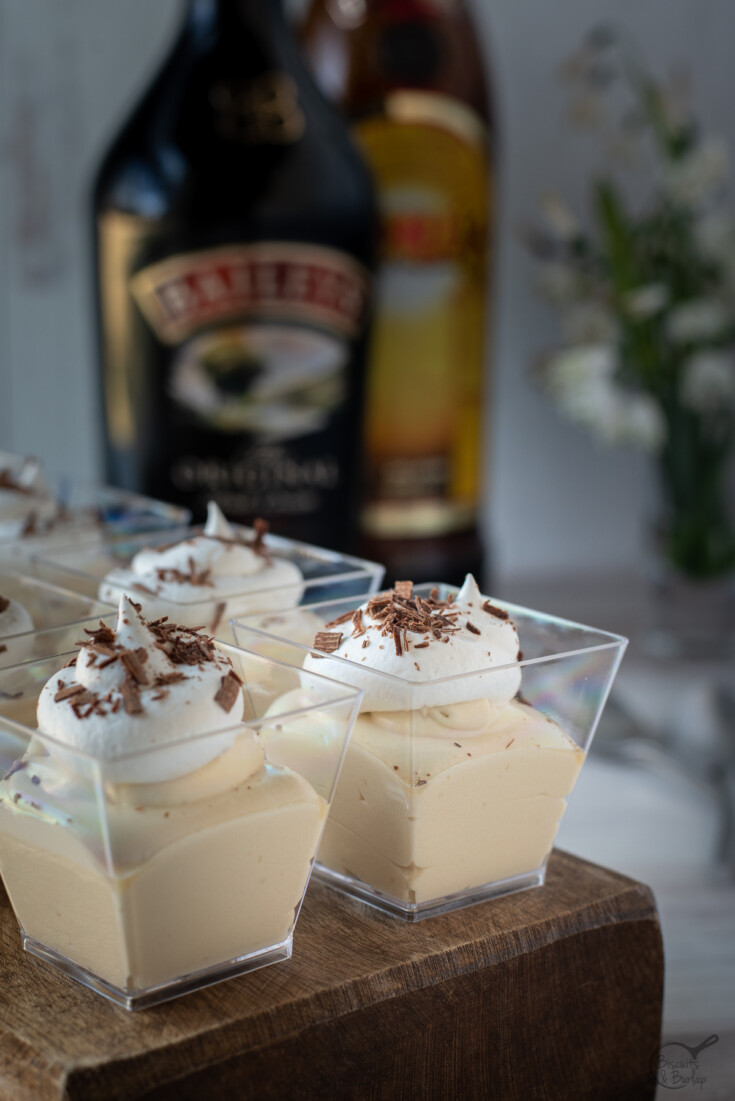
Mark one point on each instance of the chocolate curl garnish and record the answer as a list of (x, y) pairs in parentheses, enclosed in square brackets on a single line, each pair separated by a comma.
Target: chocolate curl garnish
[(403, 589), (261, 528), (219, 611), (327, 641), (133, 664), (68, 691), (472, 629), (4, 604), (131, 696), (228, 691), (492, 609)]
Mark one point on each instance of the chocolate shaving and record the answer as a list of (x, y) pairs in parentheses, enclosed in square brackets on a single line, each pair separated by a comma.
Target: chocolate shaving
[(131, 696), (420, 645), (219, 611), (397, 641), (472, 629), (419, 783), (260, 527), (492, 609), (228, 691), (4, 604), (100, 636), (30, 527), (341, 619), (327, 641), (133, 664), (66, 692), (519, 655), (403, 589), (167, 678)]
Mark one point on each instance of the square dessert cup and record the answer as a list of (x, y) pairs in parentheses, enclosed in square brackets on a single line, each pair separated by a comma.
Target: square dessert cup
[(59, 617), (90, 513), (144, 891), (422, 824), (327, 575)]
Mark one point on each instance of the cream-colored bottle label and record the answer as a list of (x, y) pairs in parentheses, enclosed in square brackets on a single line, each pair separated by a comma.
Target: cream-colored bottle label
[(425, 375)]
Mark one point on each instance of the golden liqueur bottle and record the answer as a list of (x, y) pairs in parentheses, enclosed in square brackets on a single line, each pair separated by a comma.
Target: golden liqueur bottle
[(410, 77), (235, 228)]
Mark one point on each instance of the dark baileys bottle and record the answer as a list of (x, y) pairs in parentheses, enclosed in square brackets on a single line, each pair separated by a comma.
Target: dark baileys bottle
[(234, 236)]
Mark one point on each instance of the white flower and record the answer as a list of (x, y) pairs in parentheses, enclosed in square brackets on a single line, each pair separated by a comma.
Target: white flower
[(589, 322), (700, 319), (559, 218), (708, 381), (644, 302), (640, 422), (582, 381), (698, 176), (558, 283)]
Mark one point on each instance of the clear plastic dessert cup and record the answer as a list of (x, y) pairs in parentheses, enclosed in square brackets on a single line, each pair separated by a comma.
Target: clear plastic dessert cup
[(447, 796), (82, 514), (143, 891), (59, 617), (325, 574)]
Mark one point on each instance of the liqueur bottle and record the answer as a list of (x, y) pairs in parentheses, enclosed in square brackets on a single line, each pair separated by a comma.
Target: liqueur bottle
[(409, 75), (235, 227)]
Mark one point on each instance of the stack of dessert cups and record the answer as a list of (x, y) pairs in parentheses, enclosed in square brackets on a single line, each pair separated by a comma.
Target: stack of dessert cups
[(179, 769)]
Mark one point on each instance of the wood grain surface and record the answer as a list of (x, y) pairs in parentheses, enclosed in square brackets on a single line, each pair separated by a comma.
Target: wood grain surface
[(550, 993)]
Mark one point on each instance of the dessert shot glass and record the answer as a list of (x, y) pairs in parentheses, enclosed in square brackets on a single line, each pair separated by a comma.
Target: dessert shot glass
[(144, 891), (325, 574), (58, 618), (449, 798), (83, 513)]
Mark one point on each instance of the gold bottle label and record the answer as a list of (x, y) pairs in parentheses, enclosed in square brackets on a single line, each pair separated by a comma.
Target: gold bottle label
[(423, 414)]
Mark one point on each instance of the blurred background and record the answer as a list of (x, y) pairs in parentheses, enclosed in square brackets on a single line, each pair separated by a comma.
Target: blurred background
[(567, 518), (70, 75)]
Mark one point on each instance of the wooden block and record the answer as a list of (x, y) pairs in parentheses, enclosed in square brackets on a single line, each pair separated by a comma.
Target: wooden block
[(551, 993)]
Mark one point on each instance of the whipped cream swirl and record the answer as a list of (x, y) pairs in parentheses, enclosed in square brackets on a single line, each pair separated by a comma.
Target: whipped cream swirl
[(217, 570), (137, 696), (26, 503), (430, 652)]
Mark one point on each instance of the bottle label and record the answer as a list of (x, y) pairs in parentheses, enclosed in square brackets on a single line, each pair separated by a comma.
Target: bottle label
[(183, 294), (424, 405), (251, 348)]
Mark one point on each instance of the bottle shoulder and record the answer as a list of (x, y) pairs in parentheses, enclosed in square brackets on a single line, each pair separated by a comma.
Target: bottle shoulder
[(254, 141)]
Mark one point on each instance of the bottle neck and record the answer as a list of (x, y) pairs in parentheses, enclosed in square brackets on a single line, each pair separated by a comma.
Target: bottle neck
[(233, 17)]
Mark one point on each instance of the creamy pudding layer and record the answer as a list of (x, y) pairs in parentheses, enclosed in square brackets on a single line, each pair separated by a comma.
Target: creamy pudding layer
[(144, 868), (209, 578), (467, 786)]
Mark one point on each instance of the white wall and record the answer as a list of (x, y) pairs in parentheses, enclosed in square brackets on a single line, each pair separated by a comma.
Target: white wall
[(68, 74)]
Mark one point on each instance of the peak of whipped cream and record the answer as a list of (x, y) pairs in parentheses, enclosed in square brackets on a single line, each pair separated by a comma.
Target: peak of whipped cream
[(25, 500), (211, 571), (217, 526), (14, 617), (407, 652), (145, 688)]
